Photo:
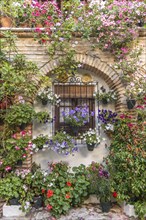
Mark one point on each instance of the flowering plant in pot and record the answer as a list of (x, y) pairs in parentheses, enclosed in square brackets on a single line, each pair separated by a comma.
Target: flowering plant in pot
[(11, 188), (105, 97), (91, 138), (108, 119), (104, 188), (63, 143), (47, 96), (77, 117), (43, 117), (64, 188), (40, 143)]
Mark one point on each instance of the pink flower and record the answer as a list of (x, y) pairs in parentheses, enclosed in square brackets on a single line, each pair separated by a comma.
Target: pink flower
[(14, 136), (23, 133), (8, 168), (130, 125), (1, 162), (24, 155), (140, 107), (17, 148)]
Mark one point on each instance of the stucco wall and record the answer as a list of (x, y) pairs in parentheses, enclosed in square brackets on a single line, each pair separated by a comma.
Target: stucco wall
[(98, 65)]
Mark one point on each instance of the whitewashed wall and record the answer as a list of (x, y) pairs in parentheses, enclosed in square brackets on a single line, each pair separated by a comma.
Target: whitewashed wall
[(83, 155)]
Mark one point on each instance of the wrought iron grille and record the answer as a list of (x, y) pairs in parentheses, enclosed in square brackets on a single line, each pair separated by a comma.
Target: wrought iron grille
[(74, 93)]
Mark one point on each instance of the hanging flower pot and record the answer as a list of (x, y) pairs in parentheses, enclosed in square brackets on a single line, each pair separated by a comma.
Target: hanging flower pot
[(6, 21), (74, 130), (90, 147), (23, 126), (44, 102), (131, 103), (104, 101), (19, 163)]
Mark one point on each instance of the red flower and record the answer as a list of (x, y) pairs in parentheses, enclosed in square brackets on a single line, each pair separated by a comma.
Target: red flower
[(49, 193), (67, 196), (122, 116), (49, 207), (68, 184), (43, 191), (115, 194), (130, 125), (140, 107)]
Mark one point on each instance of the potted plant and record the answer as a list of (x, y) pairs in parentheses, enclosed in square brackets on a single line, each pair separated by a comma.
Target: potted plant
[(108, 119), (105, 97), (40, 142), (91, 138), (104, 189), (10, 189), (47, 96), (63, 143), (20, 115), (77, 117), (42, 117)]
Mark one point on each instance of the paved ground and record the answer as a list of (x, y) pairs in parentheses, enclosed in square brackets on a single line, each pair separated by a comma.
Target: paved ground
[(85, 212)]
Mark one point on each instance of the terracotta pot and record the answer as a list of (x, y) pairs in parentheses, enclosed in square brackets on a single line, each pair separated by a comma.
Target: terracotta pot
[(6, 21)]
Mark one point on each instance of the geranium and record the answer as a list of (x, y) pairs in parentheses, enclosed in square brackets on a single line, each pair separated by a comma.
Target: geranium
[(49, 207), (77, 117), (68, 184), (115, 194), (50, 193)]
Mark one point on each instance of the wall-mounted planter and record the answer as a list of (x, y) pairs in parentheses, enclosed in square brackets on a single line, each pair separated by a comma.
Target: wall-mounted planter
[(12, 211), (90, 147), (6, 21), (105, 206), (131, 103)]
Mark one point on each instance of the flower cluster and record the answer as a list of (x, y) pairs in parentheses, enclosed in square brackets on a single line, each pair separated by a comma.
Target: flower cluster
[(46, 95), (77, 117), (91, 137), (105, 96), (40, 143), (63, 143), (108, 119)]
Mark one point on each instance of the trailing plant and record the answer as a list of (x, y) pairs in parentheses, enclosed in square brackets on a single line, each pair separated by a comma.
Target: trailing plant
[(63, 143), (77, 117), (126, 160), (105, 97), (43, 117), (47, 96), (40, 143)]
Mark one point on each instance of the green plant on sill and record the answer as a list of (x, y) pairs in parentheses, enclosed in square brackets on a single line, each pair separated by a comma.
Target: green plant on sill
[(43, 117), (18, 114), (105, 97), (39, 142)]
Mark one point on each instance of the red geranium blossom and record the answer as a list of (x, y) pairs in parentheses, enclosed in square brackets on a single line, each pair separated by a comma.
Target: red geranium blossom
[(67, 196), (49, 207), (49, 193), (43, 190), (68, 184), (130, 125), (115, 194)]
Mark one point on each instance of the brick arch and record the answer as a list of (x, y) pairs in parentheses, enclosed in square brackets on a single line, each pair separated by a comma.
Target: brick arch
[(100, 68)]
